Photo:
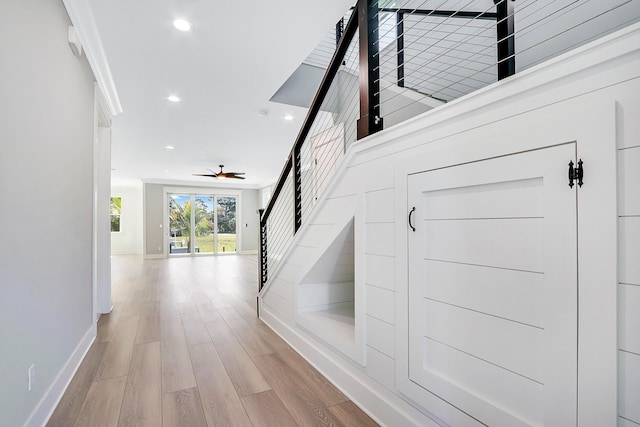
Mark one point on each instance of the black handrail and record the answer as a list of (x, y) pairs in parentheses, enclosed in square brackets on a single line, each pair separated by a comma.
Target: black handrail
[(442, 13), (506, 67), (294, 156)]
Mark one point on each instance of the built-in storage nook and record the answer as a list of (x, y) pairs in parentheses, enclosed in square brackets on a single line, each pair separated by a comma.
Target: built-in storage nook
[(327, 301)]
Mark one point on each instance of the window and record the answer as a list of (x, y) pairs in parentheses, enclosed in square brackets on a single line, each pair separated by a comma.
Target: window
[(116, 211)]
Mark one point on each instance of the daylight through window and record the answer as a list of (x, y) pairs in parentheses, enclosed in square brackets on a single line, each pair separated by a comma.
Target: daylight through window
[(116, 211)]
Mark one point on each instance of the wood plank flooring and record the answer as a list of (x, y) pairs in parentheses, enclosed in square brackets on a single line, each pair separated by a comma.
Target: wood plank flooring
[(183, 347)]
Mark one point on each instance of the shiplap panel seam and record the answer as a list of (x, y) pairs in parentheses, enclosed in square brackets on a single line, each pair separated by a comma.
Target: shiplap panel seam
[(484, 360), (629, 421), (379, 287), (483, 313), (381, 320), (628, 148), (511, 346), (483, 218), (379, 189), (628, 352), (386, 256), (481, 265), (341, 196)]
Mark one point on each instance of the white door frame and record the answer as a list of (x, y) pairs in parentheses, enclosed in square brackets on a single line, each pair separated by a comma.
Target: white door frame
[(101, 279)]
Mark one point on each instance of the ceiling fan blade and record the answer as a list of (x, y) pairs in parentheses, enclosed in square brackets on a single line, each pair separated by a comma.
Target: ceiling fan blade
[(229, 175), (208, 174), (235, 173)]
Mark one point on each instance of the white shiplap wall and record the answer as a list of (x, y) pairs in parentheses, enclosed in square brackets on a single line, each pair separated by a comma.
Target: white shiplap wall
[(379, 280), (628, 124), (371, 178)]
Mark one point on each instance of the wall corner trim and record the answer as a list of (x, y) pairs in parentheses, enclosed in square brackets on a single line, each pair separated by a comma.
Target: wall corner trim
[(52, 396), (82, 18)]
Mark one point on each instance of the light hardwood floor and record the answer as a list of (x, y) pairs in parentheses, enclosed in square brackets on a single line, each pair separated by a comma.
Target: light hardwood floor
[(183, 347)]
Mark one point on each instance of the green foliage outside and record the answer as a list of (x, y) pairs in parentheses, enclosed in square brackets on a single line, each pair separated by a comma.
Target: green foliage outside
[(180, 220), (226, 214), (116, 211), (226, 243), (180, 224)]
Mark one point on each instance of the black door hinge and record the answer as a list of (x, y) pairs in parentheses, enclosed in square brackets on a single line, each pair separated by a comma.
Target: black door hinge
[(575, 173)]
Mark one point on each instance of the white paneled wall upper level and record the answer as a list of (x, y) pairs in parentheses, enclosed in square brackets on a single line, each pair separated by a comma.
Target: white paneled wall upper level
[(628, 111), (582, 100)]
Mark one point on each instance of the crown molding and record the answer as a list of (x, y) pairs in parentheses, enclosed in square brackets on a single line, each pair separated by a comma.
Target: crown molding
[(81, 17)]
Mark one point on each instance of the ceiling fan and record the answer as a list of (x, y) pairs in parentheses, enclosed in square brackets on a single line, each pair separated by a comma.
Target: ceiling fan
[(222, 174)]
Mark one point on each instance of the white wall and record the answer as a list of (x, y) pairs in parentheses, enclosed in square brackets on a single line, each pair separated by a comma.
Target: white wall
[(46, 157), (264, 194), (588, 89), (153, 217), (250, 226), (102, 220), (129, 239)]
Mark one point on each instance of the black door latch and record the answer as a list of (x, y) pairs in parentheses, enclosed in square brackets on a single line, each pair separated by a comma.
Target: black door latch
[(575, 173), (410, 213)]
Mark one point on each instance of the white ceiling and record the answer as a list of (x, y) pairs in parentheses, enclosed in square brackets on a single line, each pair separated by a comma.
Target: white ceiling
[(225, 70)]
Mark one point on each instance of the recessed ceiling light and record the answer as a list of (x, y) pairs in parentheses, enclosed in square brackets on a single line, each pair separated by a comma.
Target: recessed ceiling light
[(182, 25), (166, 171), (263, 113), (288, 117), (173, 98), (170, 147)]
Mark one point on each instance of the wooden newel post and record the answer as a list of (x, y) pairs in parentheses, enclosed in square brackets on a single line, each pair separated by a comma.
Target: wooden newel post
[(370, 120)]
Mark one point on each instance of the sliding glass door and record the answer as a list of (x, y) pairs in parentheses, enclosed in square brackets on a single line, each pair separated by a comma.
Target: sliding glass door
[(201, 223), (179, 223), (204, 219), (226, 223)]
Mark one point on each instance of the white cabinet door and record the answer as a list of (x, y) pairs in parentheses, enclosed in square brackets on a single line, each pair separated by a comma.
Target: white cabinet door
[(493, 288)]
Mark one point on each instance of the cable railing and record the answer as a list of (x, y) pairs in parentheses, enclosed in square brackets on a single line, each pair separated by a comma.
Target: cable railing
[(326, 129), (410, 57)]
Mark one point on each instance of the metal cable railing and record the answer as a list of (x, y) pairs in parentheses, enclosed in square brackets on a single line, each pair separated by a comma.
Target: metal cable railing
[(328, 109), (446, 54), (416, 55)]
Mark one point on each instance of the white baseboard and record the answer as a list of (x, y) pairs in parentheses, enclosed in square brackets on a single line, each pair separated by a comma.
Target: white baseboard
[(158, 256), (126, 252), (383, 406), (51, 398)]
